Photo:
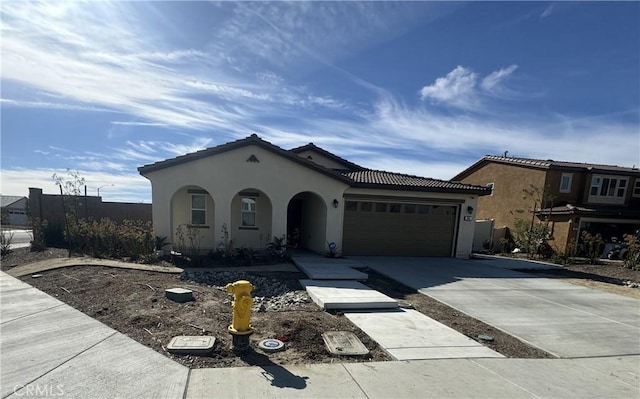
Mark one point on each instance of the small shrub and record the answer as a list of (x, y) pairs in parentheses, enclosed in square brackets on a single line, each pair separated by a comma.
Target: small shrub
[(188, 242), (591, 246), (246, 255), (5, 242), (532, 238), (564, 257), (632, 260), (506, 245), (39, 242), (277, 248), (161, 242)]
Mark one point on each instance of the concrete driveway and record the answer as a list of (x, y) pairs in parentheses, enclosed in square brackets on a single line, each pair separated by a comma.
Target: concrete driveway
[(564, 319)]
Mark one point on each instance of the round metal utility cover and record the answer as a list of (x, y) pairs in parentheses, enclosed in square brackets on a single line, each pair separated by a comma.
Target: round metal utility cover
[(271, 345)]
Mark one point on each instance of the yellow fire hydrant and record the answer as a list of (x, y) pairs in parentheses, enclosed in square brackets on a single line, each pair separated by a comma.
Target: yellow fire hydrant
[(240, 327)]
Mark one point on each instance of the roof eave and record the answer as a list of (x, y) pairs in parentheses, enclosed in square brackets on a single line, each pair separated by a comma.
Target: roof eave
[(251, 140), (312, 147), (480, 192)]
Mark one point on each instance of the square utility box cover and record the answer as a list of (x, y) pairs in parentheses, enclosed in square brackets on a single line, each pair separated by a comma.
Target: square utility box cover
[(191, 345)]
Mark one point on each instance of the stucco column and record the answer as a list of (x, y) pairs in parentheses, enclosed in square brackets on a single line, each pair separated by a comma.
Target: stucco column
[(279, 206), (464, 246), (335, 218), (222, 217), (161, 214)]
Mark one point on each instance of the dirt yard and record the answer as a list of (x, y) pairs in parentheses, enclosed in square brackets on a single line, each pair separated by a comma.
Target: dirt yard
[(133, 302), (609, 276)]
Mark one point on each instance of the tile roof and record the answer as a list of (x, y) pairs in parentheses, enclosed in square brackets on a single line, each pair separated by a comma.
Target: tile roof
[(356, 176), (377, 178), (550, 163)]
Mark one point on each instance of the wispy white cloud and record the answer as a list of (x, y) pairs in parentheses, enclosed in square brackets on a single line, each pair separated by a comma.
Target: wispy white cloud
[(126, 123), (547, 11), (107, 55), (250, 72), (429, 139), (8, 102), (492, 83)]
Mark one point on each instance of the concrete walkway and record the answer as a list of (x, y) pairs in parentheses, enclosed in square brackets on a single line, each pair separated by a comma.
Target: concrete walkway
[(564, 319), (319, 267), (406, 334), (403, 334), (346, 294), (50, 349)]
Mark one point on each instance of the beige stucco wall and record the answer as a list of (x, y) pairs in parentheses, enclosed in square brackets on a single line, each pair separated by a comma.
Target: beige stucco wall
[(181, 212), (510, 181), (253, 238), (226, 174), (313, 236), (465, 228)]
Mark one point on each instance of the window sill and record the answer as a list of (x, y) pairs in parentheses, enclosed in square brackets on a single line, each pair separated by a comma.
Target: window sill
[(197, 226), (248, 228)]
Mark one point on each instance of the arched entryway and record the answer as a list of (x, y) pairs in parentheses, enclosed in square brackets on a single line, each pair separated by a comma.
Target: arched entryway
[(192, 218), (251, 214), (307, 222)]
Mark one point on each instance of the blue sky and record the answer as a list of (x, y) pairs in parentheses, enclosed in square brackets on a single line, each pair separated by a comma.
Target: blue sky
[(425, 88)]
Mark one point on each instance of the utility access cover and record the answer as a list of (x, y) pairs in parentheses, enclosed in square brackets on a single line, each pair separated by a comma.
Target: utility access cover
[(344, 343), (191, 345)]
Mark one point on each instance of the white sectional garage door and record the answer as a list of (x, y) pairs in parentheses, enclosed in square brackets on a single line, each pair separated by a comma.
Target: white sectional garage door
[(398, 229)]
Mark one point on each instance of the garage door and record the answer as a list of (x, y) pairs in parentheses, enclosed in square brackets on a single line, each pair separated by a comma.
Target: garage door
[(398, 229)]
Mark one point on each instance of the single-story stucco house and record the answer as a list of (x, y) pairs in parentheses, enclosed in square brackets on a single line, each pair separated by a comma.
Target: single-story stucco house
[(251, 191), (14, 210)]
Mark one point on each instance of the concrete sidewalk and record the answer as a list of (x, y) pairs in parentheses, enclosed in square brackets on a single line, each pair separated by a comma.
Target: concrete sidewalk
[(564, 319), (50, 349)]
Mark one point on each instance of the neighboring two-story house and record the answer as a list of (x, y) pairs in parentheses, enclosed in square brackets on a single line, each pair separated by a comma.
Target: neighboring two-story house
[(601, 199)]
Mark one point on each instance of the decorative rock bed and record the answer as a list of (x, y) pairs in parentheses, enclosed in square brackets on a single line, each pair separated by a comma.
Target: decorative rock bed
[(269, 294)]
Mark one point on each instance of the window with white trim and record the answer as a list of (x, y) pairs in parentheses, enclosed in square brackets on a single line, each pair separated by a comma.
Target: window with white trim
[(608, 189), (565, 182), (248, 212), (198, 209), (636, 188)]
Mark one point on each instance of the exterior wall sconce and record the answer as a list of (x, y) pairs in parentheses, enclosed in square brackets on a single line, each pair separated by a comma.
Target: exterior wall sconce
[(470, 210), (335, 203)]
